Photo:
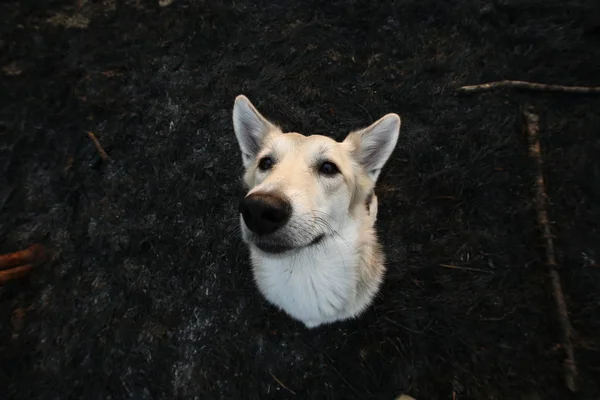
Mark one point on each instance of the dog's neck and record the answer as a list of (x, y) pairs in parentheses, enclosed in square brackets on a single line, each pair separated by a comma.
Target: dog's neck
[(318, 282), (330, 279)]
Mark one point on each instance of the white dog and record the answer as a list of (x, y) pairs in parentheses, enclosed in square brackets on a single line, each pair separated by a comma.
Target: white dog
[(309, 215)]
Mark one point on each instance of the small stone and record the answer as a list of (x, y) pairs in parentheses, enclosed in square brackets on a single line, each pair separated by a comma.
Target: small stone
[(12, 69)]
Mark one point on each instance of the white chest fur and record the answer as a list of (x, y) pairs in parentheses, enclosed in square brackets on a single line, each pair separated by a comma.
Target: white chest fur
[(315, 285)]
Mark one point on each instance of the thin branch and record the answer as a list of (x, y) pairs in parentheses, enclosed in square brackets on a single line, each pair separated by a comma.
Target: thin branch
[(96, 142), (408, 329), (33, 254), (465, 268), (14, 273), (529, 86), (531, 130), (282, 385)]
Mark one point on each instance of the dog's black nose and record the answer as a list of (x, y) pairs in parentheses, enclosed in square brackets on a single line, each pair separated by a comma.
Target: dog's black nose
[(264, 213)]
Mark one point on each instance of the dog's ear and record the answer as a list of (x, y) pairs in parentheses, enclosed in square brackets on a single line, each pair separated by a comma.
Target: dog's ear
[(372, 146), (250, 128)]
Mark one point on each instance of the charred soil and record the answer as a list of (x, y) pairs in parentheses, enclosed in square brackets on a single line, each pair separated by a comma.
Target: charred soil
[(150, 294)]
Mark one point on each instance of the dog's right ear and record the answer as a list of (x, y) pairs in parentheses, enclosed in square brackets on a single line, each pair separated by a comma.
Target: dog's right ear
[(250, 127)]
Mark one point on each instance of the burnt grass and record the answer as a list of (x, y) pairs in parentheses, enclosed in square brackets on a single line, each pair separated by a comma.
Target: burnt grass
[(150, 294)]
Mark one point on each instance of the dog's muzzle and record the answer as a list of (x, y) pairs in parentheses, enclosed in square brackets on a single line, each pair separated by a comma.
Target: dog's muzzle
[(265, 213)]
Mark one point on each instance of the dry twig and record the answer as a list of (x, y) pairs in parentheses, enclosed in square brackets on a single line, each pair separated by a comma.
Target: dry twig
[(101, 151), (530, 86), (14, 273), (464, 268), (531, 130), (18, 264), (282, 385), (33, 254)]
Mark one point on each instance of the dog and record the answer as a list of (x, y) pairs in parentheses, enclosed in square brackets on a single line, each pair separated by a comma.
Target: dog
[(309, 215)]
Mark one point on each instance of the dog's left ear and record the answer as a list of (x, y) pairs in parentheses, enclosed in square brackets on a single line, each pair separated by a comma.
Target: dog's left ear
[(250, 128), (373, 146)]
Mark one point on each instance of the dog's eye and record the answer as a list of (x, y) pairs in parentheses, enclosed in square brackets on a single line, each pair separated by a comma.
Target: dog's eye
[(328, 168), (265, 163)]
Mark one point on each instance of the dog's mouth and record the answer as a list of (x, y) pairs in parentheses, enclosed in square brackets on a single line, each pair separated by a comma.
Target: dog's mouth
[(279, 248)]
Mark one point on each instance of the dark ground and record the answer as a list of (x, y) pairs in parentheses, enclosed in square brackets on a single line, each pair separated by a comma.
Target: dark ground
[(151, 295)]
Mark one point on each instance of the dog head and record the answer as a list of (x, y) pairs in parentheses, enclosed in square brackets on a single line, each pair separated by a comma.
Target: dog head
[(302, 189)]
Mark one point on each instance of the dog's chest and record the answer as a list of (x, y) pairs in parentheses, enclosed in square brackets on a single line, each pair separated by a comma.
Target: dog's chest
[(311, 289)]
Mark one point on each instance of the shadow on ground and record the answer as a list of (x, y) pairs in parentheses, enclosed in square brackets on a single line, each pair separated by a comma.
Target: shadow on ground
[(151, 295)]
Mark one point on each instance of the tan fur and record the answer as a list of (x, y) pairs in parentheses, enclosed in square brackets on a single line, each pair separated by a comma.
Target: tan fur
[(372, 259)]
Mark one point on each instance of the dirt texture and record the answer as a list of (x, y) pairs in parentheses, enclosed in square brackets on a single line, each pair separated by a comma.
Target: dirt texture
[(150, 294)]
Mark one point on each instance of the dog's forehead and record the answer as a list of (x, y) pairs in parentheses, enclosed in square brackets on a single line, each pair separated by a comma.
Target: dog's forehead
[(293, 141)]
